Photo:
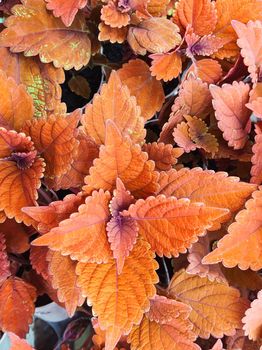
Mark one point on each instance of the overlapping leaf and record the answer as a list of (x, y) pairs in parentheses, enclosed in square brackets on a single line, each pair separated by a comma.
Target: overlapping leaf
[(228, 10), (207, 69), (201, 15), (78, 235), (255, 101), (41, 80), (120, 158), (217, 309), (107, 291), (256, 170), (166, 66), (55, 139), (244, 232), (114, 35), (4, 262), (171, 225), (136, 75), (66, 10), (16, 298), (232, 114), (35, 31), (115, 103)]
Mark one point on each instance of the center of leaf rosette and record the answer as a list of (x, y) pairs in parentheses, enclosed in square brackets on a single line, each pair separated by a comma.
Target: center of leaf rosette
[(23, 160)]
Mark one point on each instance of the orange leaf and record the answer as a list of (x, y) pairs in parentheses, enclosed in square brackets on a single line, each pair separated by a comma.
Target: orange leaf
[(217, 309), (194, 134), (26, 33), (206, 186), (4, 262), (200, 14), (41, 80), (66, 10), (239, 341), (244, 232), (64, 278), (166, 66), (208, 70), (155, 35), (228, 10), (165, 326), (248, 279), (47, 217), (136, 75), (107, 291), (121, 199), (17, 105), (85, 154), (171, 225), (120, 158), (253, 319), (78, 235), (17, 343), (256, 170), (113, 16), (55, 140), (114, 102), (38, 260), (164, 156), (16, 298), (11, 141), (114, 35), (157, 8), (230, 110)]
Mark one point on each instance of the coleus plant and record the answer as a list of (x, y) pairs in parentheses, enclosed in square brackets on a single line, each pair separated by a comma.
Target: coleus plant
[(116, 203)]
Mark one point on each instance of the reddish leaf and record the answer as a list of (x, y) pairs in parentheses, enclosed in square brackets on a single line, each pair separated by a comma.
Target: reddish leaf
[(136, 75), (55, 139), (48, 37), (107, 291), (171, 225), (78, 235), (16, 306), (250, 38), (16, 236), (200, 14), (120, 158), (4, 262), (244, 232), (38, 260), (230, 110), (66, 10), (206, 299), (255, 101), (47, 217), (63, 277), (114, 102), (202, 46), (155, 35)]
